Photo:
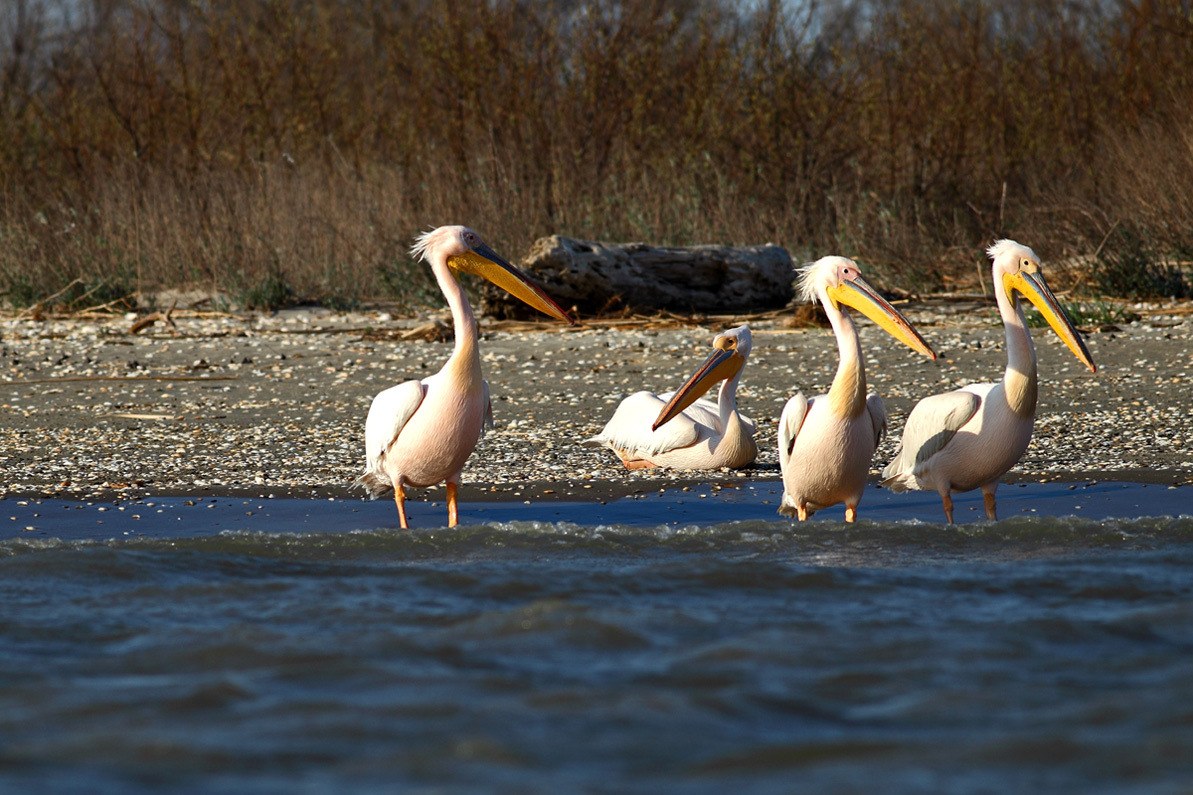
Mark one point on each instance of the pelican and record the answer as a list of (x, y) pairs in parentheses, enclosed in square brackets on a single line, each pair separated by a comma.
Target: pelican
[(688, 432), (826, 442), (420, 433), (968, 439)]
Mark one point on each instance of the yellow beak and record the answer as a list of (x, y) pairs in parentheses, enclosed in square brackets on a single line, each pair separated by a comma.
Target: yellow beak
[(725, 362), (484, 262), (857, 293), (1033, 287)]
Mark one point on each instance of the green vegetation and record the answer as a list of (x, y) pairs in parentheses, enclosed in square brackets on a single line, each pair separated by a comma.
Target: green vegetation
[(270, 293), (113, 294), (1132, 268), (246, 145)]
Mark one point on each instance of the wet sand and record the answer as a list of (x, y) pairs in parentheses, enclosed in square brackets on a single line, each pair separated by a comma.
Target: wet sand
[(256, 406)]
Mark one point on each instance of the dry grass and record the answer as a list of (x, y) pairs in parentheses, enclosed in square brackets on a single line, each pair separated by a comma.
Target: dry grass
[(290, 149)]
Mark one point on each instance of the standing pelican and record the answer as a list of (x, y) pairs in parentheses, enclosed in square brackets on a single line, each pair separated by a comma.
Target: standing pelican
[(420, 433), (963, 440), (826, 442), (688, 432)]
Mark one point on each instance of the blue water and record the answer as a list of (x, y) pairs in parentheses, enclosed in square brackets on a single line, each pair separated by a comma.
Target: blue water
[(308, 646)]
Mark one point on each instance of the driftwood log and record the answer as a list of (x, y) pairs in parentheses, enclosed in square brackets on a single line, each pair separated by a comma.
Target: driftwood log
[(598, 278)]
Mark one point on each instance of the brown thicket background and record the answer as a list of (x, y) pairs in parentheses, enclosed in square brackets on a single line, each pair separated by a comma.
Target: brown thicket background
[(279, 150)]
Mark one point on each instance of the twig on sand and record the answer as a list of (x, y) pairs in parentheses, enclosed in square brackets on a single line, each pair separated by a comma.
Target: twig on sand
[(37, 311), (149, 320)]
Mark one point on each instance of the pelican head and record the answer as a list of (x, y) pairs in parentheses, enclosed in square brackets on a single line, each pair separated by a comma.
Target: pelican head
[(463, 250), (730, 350), (837, 280), (1018, 268)]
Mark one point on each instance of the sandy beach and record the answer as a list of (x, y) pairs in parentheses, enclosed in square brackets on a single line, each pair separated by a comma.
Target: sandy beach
[(275, 404)]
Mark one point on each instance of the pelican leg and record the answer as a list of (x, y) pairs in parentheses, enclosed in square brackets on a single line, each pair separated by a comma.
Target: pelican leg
[(850, 512), (637, 463), (988, 497), (947, 500), (400, 499), (802, 512), (453, 511)]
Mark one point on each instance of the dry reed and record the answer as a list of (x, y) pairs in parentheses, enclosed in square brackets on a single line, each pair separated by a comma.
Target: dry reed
[(290, 149)]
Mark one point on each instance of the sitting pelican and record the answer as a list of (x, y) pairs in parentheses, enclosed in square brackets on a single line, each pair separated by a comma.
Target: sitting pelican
[(688, 432), (420, 433), (826, 442), (963, 440)]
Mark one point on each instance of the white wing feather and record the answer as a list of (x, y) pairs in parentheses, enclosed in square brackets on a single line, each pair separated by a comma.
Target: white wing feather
[(629, 428), (388, 414), (790, 421), (931, 425)]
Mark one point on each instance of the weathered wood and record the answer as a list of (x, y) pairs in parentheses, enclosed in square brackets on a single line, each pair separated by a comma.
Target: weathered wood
[(597, 278)]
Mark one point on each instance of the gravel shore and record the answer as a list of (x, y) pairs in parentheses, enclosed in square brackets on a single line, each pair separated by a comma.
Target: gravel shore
[(275, 404)]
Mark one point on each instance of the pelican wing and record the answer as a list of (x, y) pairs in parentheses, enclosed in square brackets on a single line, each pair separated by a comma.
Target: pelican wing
[(389, 413), (629, 428), (707, 413), (877, 412), (790, 421), (930, 426), (751, 426)]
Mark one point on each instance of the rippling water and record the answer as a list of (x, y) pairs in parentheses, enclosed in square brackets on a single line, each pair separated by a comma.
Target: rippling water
[(751, 656)]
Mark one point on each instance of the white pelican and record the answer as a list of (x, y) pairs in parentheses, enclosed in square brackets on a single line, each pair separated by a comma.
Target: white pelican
[(826, 442), (963, 440), (680, 431), (420, 433)]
